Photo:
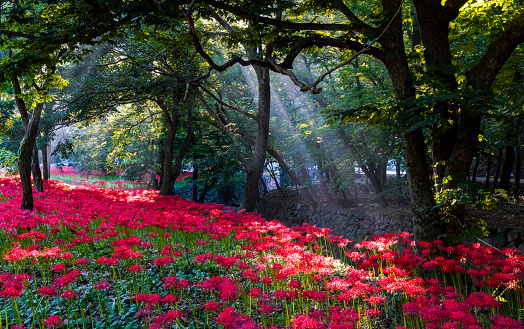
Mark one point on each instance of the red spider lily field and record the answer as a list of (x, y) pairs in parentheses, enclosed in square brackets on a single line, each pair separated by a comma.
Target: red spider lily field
[(90, 257)]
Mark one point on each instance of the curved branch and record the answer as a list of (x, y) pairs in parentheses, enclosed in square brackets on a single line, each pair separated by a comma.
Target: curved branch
[(481, 76), (207, 91), (200, 50), (338, 43), (340, 5), (320, 42), (359, 27), (225, 127)]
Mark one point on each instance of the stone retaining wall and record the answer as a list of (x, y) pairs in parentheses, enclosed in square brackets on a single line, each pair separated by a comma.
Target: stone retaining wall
[(354, 224), (358, 224)]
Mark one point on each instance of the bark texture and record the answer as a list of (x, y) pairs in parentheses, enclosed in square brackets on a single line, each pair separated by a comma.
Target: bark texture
[(256, 163)]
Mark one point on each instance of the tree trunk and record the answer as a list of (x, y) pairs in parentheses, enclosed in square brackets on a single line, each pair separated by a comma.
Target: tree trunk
[(205, 190), (518, 172), (323, 185), (46, 170), (488, 171), (25, 156), (371, 174), (419, 185), (35, 169), (186, 144), (497, 169), (507, 168), (475, 170), (195, 185), (263, 184), (294, 177), (256, 163), (172, 119), (153, 181), (416, 40), (24, 166)]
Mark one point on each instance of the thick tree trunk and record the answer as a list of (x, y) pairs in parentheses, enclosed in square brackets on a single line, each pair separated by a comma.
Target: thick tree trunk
[(419, 184), (46, 171), (507, 168), (256, 163), (35, 169), (25, 156), (416, 40)]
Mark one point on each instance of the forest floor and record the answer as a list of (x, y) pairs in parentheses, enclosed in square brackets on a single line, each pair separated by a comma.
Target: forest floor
[(509, 215)]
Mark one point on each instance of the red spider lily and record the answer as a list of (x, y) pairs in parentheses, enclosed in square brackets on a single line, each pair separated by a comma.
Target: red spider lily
[(81, 261), (337, 284), (266, 309), (166, 250), (170, 299), (103, 286), (123, 252), (153, 299), (173, 282), (168, 318), (54, 321), (48, 291), (229, 319), (135, 268), (17, 254), (225, 261), (255, 293), (223, 285), (212, 306), (500, 322), (305, 322), (33, 235), (67, 279), (70, 294), (284, 294), (163, 261), (314, 295), (204, 257), (482, 300), (107, 261), (59, 268)]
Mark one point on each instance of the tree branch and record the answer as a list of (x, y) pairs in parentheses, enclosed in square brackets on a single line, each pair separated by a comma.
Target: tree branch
[(452, 8), (225, 128), (17, 34), (220, 68), (363, 29), (481, 76), (336, 42), (340, 5), (320, 42), (207, 91)]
